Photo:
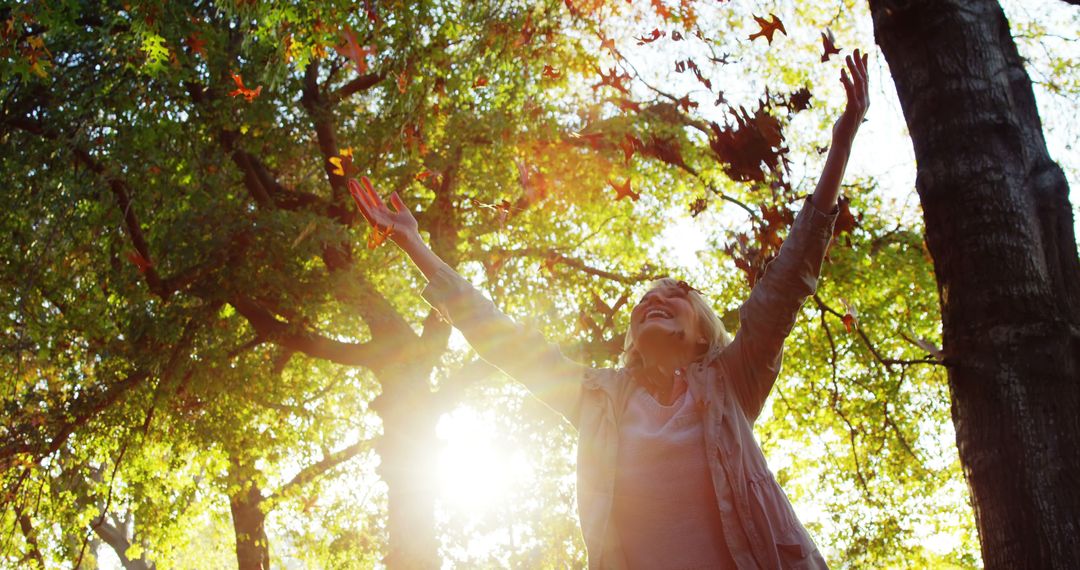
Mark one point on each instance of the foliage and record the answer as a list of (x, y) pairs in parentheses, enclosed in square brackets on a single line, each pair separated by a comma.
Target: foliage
[(191, 311)]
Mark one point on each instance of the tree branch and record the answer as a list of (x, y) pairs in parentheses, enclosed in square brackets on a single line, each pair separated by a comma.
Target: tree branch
[(362, 83), (322, 117), (369, 354), (328, 462), (80, 411)]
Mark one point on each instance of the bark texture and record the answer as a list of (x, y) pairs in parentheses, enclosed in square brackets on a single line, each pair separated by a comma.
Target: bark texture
[(249, 526), (1000, 230)]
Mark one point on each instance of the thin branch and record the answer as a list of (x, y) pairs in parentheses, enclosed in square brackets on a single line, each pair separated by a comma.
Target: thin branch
[(315, 470)]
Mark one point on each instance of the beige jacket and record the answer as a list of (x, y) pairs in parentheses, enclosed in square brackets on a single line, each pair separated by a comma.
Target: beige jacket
[(760, 526)]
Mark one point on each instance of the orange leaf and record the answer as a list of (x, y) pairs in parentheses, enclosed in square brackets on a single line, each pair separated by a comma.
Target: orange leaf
[(550, 73), (377, 236), (352, 50), (661, 10), (422, 176), (768, 28), (241, 91), (481, 81), (850, 317), (403, 81), (623, 191)]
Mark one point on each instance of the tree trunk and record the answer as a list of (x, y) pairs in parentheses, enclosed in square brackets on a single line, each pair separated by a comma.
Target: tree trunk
[(249, 526), (999, 227), (408, 450)]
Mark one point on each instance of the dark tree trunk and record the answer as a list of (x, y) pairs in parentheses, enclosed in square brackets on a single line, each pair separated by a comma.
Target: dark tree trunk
[(249, 526), (408, 450), (999, 227)]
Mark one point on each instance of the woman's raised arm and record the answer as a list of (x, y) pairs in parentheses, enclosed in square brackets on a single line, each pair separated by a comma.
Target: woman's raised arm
[(767, 317), (519, 351)]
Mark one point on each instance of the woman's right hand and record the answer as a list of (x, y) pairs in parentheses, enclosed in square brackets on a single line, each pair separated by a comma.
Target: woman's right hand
[(397, 225)]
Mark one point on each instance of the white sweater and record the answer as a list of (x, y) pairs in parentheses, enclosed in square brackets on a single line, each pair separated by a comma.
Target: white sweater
[(665, 509)]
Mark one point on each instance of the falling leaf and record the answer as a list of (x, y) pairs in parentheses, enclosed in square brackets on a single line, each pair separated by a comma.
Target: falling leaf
[(613, 79), (851, 316), (799, 100), (142, 263), (686, 104), (241, 91), (666, 149), (828, 43), (652, 37), (343, 165), (661, 10), (196, 44), (752, 141), (352, 50), (768, 28), (845, 220), (377, 237), (629, 144), (550, 73), (623, 191)]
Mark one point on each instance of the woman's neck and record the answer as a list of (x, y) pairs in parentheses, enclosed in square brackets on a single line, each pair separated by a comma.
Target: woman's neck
[(658, 376)]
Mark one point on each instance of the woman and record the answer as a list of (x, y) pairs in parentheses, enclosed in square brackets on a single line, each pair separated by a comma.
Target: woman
[(669, 472)]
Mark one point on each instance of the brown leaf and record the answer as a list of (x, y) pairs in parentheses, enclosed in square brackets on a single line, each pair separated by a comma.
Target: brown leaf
[(845, 220), (623, 191), (828, 44), (768, 28), (749, 143)]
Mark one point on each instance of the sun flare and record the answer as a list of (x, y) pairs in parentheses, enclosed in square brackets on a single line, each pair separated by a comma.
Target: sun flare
[(476, 470)]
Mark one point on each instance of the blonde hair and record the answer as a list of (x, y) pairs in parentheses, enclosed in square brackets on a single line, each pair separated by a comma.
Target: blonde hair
[(711, 326)]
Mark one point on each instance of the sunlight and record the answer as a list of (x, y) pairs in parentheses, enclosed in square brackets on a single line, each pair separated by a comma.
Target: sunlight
[(475, 472)]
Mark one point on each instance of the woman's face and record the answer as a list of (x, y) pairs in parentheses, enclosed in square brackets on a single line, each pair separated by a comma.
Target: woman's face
[(664, 317)]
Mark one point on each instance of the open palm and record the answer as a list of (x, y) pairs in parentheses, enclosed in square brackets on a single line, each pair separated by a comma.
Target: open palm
[(386, 223)]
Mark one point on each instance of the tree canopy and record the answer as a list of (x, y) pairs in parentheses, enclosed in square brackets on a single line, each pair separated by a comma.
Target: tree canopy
[(207, 358)]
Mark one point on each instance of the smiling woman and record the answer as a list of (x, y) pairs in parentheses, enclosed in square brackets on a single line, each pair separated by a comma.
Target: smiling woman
[(670, 474)]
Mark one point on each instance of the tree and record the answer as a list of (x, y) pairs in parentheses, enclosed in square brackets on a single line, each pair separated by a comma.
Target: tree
[(207, 250), (1000, 229), (202, 346)]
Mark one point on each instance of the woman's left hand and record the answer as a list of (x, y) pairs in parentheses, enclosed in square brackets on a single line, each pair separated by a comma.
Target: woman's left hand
[(858, 98)]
